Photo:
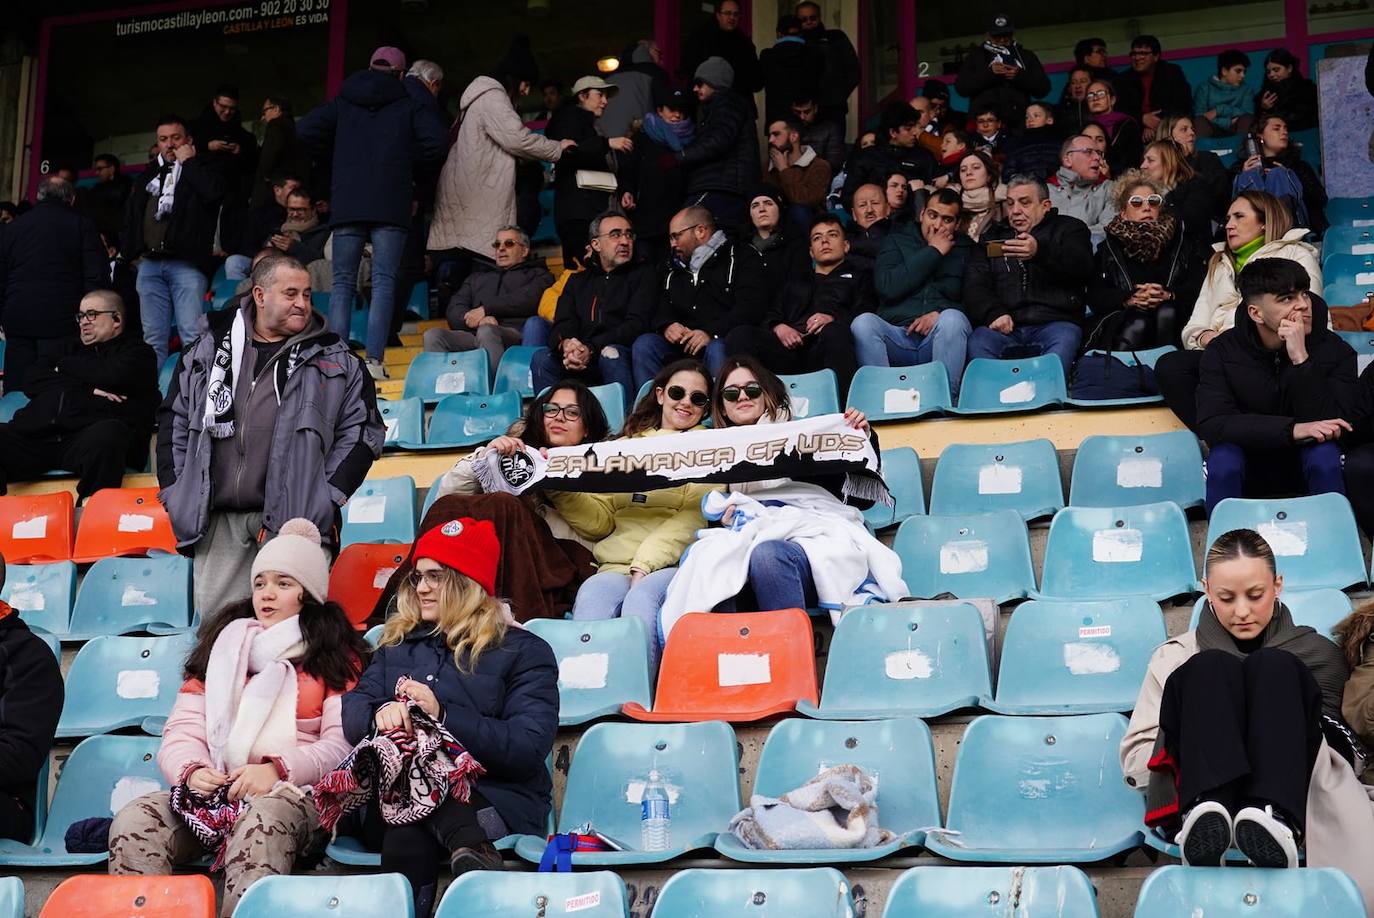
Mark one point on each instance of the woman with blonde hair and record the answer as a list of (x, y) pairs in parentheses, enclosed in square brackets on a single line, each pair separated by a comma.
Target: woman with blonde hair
[(1186, 193), (453, 651)]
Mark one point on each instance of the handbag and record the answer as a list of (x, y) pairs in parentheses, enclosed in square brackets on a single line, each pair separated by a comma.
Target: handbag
[(1103, 375), (595, 180)]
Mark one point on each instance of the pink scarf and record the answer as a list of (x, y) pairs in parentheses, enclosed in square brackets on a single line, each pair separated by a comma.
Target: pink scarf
[(250, 691)]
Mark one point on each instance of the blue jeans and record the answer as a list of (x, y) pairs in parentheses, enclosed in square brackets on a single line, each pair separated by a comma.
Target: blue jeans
[(652, 352), (166, 288), (1236, 472), (388, 243), (608, 595), (1058, 338), (879, 343), (535, 332), (547, 370), (237, 267)]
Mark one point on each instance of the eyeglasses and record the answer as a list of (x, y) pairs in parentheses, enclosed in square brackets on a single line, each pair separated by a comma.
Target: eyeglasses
[(1086, 151), (674, 237), (1153, 200), (1143, 52), (435, 578), (505, 244), (677, 394), (1097, 94), (750, 391), (570, 412), (728, 14), (90, 315), (618, 234)]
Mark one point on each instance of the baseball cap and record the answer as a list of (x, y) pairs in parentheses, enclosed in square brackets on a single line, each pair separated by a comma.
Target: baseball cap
[(594, 82), (1000, 24), (391, 57)]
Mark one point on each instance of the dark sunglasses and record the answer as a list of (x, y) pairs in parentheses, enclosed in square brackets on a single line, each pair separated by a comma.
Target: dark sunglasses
[(571, 412), (677, 394), (750, 391)]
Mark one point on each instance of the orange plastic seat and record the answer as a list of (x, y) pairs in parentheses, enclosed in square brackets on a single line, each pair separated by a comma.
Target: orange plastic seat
[(359, 575), (99, 896), (36, 528), (740, 667), (122, 521)]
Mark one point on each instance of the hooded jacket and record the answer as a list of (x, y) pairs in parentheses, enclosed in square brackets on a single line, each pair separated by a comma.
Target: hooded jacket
[(376, 135), (1215, 309), (1047, 288), (601, 308), (729, 289), (510, 296), (31, 695), (50, 258), (846, 292), (1089, 201), (724, 154), (912, 278)]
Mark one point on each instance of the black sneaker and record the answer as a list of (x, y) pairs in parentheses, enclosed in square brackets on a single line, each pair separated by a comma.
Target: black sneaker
[(1265, 838), (483, 857), (1206, 835)]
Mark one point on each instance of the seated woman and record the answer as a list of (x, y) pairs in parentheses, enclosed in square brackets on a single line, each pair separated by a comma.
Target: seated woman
[(983, 195), (784, 252), (1285, 91), (258, 720), (1123, 131), (1258, 225), (1187, 195), (1146, 275), (1304, 192), (1216, 177), (642, 536), (453, 650), (1228, 730)]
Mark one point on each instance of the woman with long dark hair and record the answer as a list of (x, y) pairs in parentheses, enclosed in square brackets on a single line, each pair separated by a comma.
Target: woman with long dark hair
[(1287, 92)]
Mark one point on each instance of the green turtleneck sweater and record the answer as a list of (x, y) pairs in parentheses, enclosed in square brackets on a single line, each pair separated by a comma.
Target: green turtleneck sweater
[(1244, 252)]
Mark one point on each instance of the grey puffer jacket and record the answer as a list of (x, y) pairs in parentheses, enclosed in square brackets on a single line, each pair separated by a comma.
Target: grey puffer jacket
[(327, 435), (510, 296)]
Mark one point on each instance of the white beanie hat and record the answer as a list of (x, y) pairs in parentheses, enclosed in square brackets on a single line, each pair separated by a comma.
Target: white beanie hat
[(296, 552)]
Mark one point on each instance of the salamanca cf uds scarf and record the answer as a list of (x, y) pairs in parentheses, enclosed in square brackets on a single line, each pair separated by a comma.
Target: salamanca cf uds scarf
[(804, 449)]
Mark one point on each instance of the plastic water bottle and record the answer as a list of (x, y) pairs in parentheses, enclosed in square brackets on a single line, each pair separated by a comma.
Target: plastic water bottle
[(655, 820)]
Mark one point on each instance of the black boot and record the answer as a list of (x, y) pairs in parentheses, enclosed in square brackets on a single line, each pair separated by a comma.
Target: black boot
[(482, 857)]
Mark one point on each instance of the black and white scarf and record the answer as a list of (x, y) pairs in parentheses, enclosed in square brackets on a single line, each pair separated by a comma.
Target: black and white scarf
[(219, 394), (804, 449)]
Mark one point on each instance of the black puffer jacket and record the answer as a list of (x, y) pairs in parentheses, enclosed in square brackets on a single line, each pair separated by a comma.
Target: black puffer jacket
[(195, 209), (61, 399), (1252, 396), (1047, 288), (724, 154), (784, 257), (600, 308), (729, 290), (510, 296), (847, 291), (31, 695), (49, 259), (573, 122)]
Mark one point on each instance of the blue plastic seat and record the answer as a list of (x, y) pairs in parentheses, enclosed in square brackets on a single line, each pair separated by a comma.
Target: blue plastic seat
[(892, 393), (42, 594), (513, 372), (1348, 269), (904, 660), (467, 420), (381, 510), (969, 556), (1001, 476), (612, 399), (1347, 240), (812, 394), (118, 682), (129, 595), (898, 754), (1177, 890), (336, 896), (698, 762), (601, 665), (102, 774), (404, 419), (1083, 657), (11, 897), (222, 293), (1118, 471), (319, 303), (488, 894), (10, 403), (1314, 538), (1348, 294), (816, 892), (166, 373), (960, 892), (902, 474), (431, 496), (1350, 211), (431, 376), (1037, 790), (418, 304), (1319, 609), (1111, 552), (996, 386)]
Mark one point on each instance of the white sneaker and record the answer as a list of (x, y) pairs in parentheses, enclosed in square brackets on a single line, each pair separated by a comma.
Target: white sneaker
[(377, 370), (1206, 835), (1266, 838)]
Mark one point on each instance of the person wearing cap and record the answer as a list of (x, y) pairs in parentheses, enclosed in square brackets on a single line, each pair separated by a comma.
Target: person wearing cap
[(943, 119), (1001, 73), (722, 161), (576, 196), (721, 36), (649, 193), (256, 722), (452, 647)]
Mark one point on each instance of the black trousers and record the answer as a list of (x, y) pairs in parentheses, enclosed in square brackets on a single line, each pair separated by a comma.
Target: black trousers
[(22, 353), (1245, 731), (16, 818), (832, 347), (1177, 375), (414, 851), (1147, 328), (1359, 485), (573, 236), (98, 454)]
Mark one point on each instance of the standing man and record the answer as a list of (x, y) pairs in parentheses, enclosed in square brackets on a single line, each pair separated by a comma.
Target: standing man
[(230, 151), (722, 161), (377, 134), (169, 226), (825, 137), (104, 201), (49, 258), (1153, 88), (841, 75), (1002, 74), (720, 36), (270, 417)]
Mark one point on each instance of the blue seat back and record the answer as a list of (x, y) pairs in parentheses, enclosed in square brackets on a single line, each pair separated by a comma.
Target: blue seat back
[(968, 555), (404, 419), (102, 774), (890, 660), (513, 372), (319, 302), (1109, 552), (222, 293), (431, 376), (124, 595), (1348, 269), (817, 892), (960, 892), (431, 496), (902, 474), (1315, 541), (1002, 476), (118, 682), (891, 393), (1347, 240), (381, 510), (10, 403), (601, 665), (11, 897), (336, 896), (165, 374), (812, 394), (1348, 294), (612, 399), (42, 594), (1077, 657), (1176, 890), (1118, 471), (490, 894), (1012, 385), (467, 420), (1350, 211), (1319, 609), (418, 303)]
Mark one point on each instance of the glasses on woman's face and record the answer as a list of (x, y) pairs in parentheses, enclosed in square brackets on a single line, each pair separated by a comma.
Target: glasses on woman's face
[(569, 412), (435, 578), (1136, 200), (1097, 94), (750, 391), (677, 394)]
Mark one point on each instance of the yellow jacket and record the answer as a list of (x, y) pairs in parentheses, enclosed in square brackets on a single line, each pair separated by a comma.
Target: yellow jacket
[(645, 531)]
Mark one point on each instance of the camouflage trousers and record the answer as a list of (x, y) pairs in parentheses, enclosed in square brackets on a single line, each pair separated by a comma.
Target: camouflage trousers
[(148, 838)]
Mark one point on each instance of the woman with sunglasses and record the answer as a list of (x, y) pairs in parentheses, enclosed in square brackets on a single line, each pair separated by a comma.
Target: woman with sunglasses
[(1147, 273), (452, 649), (1123, 131), (641, 536)]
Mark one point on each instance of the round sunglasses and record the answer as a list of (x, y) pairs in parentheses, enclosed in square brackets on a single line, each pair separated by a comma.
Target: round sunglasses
[(677, 394), (750, 391)]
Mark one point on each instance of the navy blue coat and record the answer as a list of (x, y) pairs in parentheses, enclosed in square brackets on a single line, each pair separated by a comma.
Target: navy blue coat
[(505, 712), (376, 134)]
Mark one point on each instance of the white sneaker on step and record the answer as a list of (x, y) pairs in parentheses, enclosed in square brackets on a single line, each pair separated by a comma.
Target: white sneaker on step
[(377, 370)]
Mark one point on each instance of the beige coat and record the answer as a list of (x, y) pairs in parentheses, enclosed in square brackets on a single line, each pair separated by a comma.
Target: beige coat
[(476, 193), (1340, 813), (1215, 309)]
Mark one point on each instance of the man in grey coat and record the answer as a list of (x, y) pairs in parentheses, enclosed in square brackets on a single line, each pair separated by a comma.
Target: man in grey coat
[(269, 417)]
